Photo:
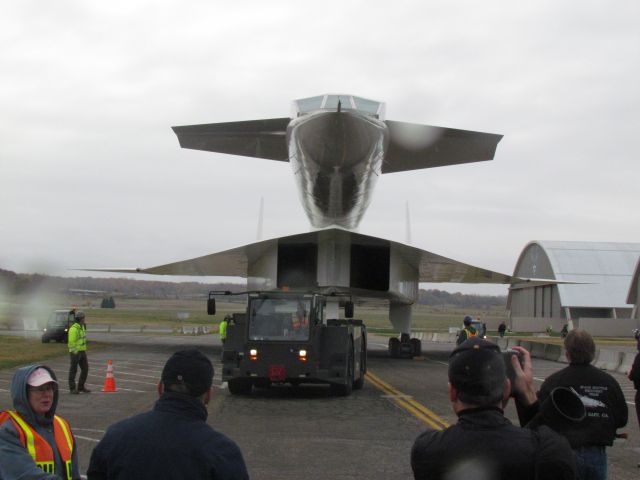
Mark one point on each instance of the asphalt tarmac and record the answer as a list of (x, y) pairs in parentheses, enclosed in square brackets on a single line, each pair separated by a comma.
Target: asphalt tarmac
[(292, 433)]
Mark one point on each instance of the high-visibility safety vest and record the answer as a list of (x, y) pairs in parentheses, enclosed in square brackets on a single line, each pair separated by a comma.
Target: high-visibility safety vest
[(77, 338), (471, 333), (38, 447), (223, 330)]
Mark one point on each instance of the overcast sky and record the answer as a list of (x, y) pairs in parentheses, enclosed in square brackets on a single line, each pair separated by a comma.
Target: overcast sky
[(91, 174)]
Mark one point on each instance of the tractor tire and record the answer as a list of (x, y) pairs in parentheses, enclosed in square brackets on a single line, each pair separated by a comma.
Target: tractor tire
[(345, 389), (359, 383), (240, 386), (416, 347)]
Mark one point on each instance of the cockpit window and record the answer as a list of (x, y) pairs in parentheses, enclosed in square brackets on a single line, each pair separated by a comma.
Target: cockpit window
[(330, 102), (368, 106), (306, 105)]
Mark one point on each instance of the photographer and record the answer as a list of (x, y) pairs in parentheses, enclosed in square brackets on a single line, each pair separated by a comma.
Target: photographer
[(484, 443)]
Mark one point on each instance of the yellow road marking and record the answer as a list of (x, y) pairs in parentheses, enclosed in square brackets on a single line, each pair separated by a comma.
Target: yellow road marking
[(408, 403)]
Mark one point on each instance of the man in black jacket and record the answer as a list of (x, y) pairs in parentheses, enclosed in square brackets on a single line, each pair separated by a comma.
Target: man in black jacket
[(606, 408), (172, 441), (484, 444)]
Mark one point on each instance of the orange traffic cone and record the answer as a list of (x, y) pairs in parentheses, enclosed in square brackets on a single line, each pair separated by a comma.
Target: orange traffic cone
[(110, 381)]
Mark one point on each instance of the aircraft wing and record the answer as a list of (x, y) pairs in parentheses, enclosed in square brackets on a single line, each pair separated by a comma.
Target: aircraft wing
[(237, 262), (228, 263), (251, 138), (413, 146)]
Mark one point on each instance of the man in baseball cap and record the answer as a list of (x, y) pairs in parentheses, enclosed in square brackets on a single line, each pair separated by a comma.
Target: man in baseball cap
[(173, 440), (188, 371), (484, 443)]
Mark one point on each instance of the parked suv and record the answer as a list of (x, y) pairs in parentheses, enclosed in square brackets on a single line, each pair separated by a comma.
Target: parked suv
[(58, 326)]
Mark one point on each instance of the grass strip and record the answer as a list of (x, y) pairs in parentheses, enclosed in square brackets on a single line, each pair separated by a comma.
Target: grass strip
[(16, 351), (22, 351)]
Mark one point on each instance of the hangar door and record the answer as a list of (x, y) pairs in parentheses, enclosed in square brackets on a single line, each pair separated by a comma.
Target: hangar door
[(543, 301)]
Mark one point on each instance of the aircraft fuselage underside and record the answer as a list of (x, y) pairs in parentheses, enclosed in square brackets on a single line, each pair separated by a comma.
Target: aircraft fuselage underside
[(336, 159)]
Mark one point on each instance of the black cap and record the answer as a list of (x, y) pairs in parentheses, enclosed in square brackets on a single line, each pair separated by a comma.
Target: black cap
[(190, 368), (476, 368)]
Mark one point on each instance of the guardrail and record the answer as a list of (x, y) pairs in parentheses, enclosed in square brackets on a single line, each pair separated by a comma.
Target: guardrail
[(159, 329), (125, 328), (605, 358)]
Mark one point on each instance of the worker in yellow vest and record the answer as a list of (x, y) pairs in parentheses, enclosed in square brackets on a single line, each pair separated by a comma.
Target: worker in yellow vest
[(222, 329), (467, 331), (36, 443), (77, 343)]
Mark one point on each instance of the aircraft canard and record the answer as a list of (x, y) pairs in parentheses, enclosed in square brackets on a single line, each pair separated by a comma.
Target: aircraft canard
[(336, 178)]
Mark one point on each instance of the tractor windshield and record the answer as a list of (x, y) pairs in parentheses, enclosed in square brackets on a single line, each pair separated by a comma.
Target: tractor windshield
[(282, 319)]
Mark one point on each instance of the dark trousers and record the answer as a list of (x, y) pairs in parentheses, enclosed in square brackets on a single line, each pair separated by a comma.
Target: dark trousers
[(79, 358)]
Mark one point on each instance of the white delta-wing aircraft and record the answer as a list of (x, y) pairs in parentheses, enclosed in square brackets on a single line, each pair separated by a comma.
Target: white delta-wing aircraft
[(338, 146)]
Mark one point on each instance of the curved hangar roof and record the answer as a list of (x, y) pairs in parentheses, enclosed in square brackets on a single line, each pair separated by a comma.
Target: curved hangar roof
[(604, 270), (634, 291)]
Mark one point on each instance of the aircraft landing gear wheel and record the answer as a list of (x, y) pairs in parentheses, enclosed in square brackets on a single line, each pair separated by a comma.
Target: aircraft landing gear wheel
[(416, 347), (394, 347), (240, 386)]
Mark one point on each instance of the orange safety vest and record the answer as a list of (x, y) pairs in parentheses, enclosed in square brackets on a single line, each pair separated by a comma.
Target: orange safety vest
[(38, 447)]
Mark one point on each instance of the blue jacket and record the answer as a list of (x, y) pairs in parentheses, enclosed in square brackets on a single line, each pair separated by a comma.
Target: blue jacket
[(172, 441), (15, 461)]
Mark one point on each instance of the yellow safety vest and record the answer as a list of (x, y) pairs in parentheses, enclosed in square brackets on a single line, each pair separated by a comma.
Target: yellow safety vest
[(38, 447), (223, 330), (77, 338)]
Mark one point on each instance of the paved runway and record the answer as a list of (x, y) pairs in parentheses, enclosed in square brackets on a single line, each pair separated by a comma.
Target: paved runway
[(292, 433)]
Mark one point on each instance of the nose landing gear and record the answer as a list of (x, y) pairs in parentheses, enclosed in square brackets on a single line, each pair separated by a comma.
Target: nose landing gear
[(404, 347)]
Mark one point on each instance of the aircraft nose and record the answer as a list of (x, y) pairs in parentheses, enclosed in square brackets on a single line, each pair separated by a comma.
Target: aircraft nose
[(340, 139)]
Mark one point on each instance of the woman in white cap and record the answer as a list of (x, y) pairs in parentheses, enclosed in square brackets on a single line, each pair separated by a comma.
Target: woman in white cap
[(36, 443)]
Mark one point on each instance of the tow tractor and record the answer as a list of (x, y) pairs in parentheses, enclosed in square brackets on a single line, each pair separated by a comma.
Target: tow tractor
[(294, 338)]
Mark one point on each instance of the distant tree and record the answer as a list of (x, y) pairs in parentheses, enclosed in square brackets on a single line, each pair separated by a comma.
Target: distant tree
[(108, 303), (19, 283), (442, 298)]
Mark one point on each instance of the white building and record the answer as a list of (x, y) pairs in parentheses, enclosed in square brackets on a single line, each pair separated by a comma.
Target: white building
[(634, 294), (595, 298)]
